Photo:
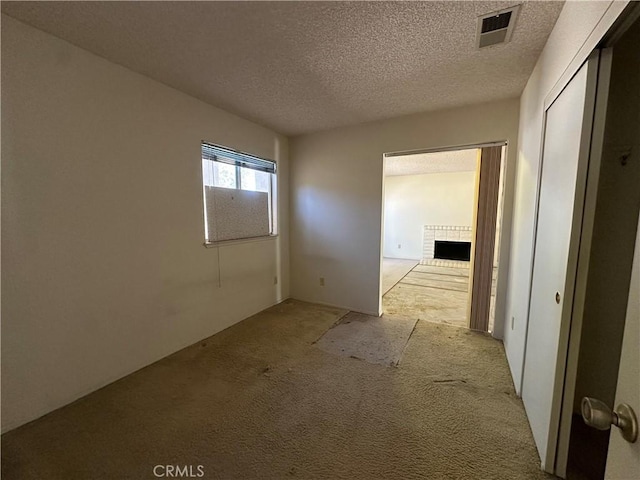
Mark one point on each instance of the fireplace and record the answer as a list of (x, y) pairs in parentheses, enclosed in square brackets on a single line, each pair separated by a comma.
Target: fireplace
[(452, 250), (445, 234)]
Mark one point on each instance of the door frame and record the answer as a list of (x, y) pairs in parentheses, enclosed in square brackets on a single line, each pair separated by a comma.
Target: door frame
[(500, 190)]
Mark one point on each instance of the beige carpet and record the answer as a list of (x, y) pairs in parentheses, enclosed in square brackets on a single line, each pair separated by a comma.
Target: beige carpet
[(435, 293), (431, 293), (378, 340), (261, 400)]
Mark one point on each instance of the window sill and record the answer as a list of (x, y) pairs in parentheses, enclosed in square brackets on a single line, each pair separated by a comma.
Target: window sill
[(224, 243)]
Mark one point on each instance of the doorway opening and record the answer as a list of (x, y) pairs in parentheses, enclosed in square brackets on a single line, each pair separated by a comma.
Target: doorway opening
[(442, 213)]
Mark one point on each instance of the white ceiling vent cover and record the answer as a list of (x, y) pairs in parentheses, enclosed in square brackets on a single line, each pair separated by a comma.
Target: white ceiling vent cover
[(496, 27)]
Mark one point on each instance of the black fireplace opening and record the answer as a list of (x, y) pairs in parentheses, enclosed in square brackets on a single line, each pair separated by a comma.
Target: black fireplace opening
[(453, 250)]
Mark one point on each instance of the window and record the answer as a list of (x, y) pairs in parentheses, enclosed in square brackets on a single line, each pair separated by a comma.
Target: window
[(238, 194)]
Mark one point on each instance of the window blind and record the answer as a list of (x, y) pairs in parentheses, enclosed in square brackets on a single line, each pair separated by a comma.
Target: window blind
[(217, 153)]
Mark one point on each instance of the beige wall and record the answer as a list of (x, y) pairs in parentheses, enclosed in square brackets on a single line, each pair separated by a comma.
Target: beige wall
[(569, 39), (413, 201), (104, 270), (336, 185)]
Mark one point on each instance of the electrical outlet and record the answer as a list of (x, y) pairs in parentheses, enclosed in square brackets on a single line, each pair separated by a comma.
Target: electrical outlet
[(399, 245), (322, 281), (513, 321)]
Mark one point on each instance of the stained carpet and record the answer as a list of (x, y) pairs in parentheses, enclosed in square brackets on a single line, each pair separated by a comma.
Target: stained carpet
[(436, 292), (261, 400), (378, 340), (431, 293)]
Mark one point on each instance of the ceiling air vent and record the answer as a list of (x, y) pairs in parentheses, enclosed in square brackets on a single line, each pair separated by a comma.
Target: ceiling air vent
[(496, 27)]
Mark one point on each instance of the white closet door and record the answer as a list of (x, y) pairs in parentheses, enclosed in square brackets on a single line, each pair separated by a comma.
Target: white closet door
[(561, 198)]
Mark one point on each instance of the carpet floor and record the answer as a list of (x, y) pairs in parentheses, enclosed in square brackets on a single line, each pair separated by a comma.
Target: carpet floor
[(379, 340), (431, 293), (261, 400), (435, 293)]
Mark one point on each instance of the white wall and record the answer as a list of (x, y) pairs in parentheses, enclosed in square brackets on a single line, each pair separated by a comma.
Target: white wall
[(104, 268), (413, 201), (575, 24), (336, 185)]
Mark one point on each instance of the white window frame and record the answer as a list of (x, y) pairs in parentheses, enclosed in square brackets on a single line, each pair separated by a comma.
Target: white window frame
[(224, 155)]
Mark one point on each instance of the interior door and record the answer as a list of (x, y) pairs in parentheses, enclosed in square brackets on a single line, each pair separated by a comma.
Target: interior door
[(623, 458), (567, 134)]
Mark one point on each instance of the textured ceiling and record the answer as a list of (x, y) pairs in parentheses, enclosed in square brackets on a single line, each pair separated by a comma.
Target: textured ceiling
[(439, 162), (298, 67)]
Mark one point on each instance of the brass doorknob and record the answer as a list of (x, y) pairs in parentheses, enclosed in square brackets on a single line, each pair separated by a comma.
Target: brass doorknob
[(597, 414)]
